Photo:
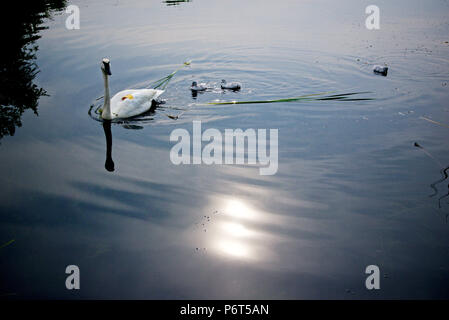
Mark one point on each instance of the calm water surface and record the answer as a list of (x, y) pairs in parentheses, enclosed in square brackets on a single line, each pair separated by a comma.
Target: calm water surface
[(351, 189)]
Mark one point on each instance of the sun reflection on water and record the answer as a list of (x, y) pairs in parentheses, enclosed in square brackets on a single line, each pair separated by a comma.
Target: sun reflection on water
[(233, 248), (236, 229), (239, 209), (233, 235)]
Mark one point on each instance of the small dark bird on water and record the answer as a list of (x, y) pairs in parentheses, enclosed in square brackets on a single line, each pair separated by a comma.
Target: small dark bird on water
[(230, 86), (198, 87)]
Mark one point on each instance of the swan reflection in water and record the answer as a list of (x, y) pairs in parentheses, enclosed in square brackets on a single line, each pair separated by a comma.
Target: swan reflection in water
[(109, 163), (128, 124)]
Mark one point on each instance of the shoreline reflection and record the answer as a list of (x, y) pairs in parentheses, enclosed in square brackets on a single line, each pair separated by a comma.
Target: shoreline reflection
[(18, 67)]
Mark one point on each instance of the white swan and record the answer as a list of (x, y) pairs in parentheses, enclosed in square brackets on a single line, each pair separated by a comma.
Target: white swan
[(126, 103)]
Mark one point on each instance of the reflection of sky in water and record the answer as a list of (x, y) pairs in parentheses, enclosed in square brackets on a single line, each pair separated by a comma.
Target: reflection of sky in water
[(350, 191)]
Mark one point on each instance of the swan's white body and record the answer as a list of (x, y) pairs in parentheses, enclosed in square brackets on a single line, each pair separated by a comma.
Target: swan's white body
[(126, 103), (131, 102)]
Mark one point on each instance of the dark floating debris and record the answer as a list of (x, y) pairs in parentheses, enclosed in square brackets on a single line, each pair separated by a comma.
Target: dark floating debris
[(172, 117), (380, 70), (174, 2)]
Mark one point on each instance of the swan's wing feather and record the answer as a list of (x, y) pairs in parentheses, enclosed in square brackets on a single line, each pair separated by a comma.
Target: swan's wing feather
[(130, 103)]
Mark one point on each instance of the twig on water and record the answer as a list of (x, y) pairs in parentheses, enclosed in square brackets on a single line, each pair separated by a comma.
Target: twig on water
[(436, 122)]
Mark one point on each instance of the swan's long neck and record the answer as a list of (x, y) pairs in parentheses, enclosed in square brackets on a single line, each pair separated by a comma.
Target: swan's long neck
[(106, 113)]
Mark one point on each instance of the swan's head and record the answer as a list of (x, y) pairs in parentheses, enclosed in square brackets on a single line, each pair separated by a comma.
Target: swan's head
[(194, 84), (109, 165), (106, 66)]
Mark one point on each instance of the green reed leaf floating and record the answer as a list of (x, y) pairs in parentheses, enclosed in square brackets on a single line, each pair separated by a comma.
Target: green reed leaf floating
[(323, 96), (163, 82), (7, 243)]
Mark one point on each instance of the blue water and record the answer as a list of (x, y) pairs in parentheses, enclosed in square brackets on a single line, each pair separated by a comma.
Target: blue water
[(351, 189)]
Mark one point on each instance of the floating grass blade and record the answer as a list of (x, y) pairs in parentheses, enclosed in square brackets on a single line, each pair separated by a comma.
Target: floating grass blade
[(436, 122), (163, 82), (309, 97), (7, 243)]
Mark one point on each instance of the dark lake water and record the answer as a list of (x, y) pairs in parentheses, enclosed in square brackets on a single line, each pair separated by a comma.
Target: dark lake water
[(351, 188)]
